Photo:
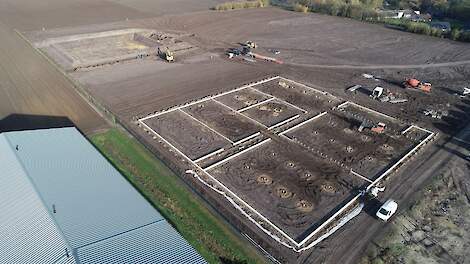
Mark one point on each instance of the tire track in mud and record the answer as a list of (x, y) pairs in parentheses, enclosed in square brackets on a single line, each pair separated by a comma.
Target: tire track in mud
[(358, 67)]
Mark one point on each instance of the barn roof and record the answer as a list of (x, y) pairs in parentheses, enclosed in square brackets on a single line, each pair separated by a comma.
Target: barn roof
[(62, 201)]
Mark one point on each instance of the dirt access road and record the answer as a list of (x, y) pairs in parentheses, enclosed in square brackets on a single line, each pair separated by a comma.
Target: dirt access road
[(349, 243), (373, 67)]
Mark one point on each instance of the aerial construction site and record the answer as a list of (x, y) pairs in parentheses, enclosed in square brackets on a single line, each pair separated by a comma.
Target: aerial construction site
[(284, 128)]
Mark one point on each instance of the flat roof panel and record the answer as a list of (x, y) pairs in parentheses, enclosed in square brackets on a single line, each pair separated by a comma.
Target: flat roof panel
[(27, 232), (140, 246), (92, 200)]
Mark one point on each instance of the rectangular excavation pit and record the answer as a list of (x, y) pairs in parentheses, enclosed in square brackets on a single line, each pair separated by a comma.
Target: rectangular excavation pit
[(292, 188), (186, 134), (223, 120), (95, 49), (337, 137), (234, 168), (271, 112), (305, 98), (242, 99)]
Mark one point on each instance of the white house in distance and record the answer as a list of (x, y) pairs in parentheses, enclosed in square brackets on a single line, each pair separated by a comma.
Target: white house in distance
[(62, 202)]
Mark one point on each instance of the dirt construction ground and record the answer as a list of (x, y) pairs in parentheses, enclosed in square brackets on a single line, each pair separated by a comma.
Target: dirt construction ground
[(326, 53)]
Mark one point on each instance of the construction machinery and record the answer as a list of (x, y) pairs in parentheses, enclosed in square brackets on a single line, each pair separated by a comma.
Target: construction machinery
[(465, 92), (166, 54), (377, 92), (377, 128), (384, 95), (251, 44), (416, 84)]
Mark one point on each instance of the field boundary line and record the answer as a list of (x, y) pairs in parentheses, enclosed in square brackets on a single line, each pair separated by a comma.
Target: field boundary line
[(236, 155), (303, 123), (205, 125), (408, 129), (280, 123), (368, 109), (247, 138), (207, 98), (209, 155), (306, 86), (223, 186), (281, 100), (342, 104), (229, 195), (401, 159), (361, 176), (329, 220), (255, 105), (242, 114)]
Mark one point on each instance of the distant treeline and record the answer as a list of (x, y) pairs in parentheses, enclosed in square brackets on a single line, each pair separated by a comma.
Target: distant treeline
[(367, 10), (457, 9), (426, 29), (241, 5)]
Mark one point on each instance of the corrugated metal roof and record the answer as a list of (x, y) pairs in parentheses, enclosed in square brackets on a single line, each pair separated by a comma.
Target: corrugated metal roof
[(146, 249), (98, 213), (27, 232)]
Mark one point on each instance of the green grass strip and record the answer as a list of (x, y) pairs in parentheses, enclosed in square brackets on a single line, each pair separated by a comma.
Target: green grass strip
[(207, 233)]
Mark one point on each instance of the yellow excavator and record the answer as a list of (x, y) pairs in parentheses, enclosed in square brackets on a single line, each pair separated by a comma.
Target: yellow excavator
[(166, 54)]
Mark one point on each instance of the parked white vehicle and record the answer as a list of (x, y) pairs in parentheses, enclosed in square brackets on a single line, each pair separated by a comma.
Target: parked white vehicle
[(387, 210)]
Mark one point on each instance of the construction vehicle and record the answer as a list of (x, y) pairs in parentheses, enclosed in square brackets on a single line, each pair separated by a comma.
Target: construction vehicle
[(416, 84), (377, 128), (384, 95), (166, 54), (251, 44), (465, 92), (377, 92)]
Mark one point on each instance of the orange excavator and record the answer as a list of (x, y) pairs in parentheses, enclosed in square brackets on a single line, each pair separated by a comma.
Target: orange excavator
[(416, 84)]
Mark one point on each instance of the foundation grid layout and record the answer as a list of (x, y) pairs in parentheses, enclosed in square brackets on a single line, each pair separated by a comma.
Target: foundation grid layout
[(271, 116)]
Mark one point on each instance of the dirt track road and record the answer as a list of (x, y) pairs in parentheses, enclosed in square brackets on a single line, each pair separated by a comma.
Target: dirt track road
[(29, 84), (372, 67), (349, 243)]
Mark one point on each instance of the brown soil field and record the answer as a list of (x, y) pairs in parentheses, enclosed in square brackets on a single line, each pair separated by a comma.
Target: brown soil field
[(326, 53), (297, 180), (222, 119), (242, 99), (193, 138), (366, 152), (30, 85), (294, 176), (35, 15), (271, 113), (165, 7)]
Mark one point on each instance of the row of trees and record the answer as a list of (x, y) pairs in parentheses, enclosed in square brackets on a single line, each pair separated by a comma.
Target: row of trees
[(241, 5), (458, 9), (358, 9), (367, 10)]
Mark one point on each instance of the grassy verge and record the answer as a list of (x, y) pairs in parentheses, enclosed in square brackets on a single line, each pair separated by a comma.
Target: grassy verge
[(211, 237)]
